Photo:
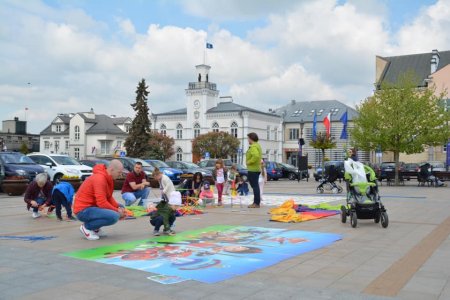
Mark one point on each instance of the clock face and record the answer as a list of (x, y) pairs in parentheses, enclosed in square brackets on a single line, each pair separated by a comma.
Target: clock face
[(196, 104)]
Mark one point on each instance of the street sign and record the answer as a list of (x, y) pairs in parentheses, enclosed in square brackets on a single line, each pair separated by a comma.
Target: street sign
[(239, 150), (122, 154), (379, 154), (206, 155)]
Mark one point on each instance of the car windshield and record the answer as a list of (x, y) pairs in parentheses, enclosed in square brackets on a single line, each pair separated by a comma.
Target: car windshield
[(287, 165), (143, 162), (65, 160), (437, 165), (159, 164), (388, 165), (191, 165), (16, 158)]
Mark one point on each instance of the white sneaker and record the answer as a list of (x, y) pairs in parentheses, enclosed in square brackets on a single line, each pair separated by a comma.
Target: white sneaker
[(36, 215), (88, 234), (100, 232)]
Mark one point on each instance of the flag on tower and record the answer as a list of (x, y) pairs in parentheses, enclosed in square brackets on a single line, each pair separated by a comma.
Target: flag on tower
[(327, 124), (209, 46)]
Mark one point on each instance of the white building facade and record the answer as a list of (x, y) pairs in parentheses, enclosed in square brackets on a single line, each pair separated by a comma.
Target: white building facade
[(207, 112), (85, 135)]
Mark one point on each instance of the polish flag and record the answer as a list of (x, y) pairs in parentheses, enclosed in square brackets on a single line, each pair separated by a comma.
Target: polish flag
[(327, 124)]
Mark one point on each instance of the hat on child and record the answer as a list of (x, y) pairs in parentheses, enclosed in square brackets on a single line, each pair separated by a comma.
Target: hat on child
[(175, 198), (206, 185)]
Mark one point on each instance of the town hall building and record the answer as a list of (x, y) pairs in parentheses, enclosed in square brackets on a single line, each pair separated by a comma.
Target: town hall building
[(206, 112)]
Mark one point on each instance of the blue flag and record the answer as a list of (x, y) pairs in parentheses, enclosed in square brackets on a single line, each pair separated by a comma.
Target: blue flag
[(314, 129), (344, 120), (209, 46)]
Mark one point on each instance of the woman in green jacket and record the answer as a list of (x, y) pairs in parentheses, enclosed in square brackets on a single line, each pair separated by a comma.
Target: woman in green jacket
[(253, 160)]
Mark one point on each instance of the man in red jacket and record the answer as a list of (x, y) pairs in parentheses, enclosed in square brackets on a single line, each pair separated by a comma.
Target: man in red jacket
[(94, 203)]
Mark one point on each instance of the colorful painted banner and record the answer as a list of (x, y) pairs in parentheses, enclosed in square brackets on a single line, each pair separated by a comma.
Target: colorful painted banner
[(210, 254)]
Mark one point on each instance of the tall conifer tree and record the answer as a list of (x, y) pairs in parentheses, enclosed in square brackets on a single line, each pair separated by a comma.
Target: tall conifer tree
[(139, 133)]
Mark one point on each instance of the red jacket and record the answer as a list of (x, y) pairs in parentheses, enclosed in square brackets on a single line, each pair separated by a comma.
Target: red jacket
[(96, 191)]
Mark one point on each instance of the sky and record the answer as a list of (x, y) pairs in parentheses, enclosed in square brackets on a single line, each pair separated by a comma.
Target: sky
[(62, 56)]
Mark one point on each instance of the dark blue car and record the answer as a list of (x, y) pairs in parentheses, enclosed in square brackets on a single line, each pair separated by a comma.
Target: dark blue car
[(173, 174), (274, 170), (18, 164)]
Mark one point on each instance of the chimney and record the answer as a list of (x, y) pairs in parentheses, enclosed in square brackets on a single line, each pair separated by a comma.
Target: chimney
[(434, 63), (292, 102)]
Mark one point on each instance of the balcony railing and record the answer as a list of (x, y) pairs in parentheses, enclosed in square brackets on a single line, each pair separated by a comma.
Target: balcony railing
[(202, 85)]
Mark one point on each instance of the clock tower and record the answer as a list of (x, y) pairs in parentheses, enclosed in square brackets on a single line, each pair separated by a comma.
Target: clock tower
[(201, 95)]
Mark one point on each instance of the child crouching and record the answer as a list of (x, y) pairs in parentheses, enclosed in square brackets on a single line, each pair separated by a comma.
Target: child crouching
[(165, 210)]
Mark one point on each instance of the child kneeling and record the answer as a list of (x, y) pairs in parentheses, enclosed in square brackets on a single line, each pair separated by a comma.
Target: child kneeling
[(206, 194), (165, 214)]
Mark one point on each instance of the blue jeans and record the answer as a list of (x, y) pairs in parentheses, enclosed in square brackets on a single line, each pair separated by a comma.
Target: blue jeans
[(130, 198), (159, 221), (95, 217), (40, 201), (253, 178)]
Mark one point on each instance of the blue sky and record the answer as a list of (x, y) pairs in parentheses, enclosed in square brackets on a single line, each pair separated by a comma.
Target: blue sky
[(83, 54)]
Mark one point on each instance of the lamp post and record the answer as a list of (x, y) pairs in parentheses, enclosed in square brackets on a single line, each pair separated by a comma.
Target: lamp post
[(300, 149)]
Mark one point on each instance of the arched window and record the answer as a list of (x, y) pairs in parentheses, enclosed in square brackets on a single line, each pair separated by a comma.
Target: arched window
[(179, 131), (215, 127), (162, 129), (179, 154), (234, 129), (196, 130), (77, 133)]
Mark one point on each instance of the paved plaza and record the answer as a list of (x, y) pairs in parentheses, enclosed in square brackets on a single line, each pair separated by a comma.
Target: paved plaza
[(408, 260)]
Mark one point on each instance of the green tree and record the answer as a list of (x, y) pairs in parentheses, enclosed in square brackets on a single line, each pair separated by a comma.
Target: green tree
[(139, 133), (24, 148), (218, 144), (160, 146), (402, 119), (323, 142)]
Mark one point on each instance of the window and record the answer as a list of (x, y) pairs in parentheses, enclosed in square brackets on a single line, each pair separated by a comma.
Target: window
[(127, 128), (77, 152), (293, 134), (233, 158), (179, 131), (105, 147), (275, 134), (234, 129), (77, 133), (179, 154), (162, 129), (268, 133), (196, 130), (46, 145), (67, 145), (297, 113), (58, 128), (215, 127), (119, 145)]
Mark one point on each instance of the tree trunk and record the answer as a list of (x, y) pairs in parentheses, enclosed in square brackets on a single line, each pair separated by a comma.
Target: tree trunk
[(397, 167)]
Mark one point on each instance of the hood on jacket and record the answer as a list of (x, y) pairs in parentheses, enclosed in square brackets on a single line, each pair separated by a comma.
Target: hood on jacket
[(99, 169)]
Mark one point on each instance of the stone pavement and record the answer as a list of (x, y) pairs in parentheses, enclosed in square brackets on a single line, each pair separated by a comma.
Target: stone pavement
[(408, 260)]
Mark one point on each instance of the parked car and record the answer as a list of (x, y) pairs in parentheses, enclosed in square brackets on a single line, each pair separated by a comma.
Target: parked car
[(129, 162), (188, 168), (389, 167), (18, 164), (437, 166), (274, 170), (59, 165), (339, 164), (210, 164), (411, 167), (173, 174), (92, 162), (291, 172)]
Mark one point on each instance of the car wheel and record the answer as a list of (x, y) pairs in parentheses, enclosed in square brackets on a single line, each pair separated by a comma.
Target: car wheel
[(292, 176)]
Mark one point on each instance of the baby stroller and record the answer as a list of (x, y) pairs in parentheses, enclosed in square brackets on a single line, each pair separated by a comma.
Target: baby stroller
[(363, 199), (329, 181)]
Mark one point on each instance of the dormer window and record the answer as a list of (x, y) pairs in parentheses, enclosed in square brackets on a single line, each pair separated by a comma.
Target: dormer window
[(58, 128)]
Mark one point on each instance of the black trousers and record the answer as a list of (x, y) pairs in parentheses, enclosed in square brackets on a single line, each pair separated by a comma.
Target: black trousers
[(253, 178), (159, 221), (59, 199)]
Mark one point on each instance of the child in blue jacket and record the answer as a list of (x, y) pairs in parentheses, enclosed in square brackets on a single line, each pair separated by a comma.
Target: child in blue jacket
[(62, 194)]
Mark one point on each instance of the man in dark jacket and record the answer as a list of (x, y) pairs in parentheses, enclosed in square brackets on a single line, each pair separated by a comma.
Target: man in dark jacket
[(39, 194)]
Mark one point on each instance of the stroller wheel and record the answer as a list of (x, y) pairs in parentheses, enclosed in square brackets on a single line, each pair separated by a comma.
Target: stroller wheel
[(353, 219), (377, 217), (343, 214), (320, 190), (384, 219)]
